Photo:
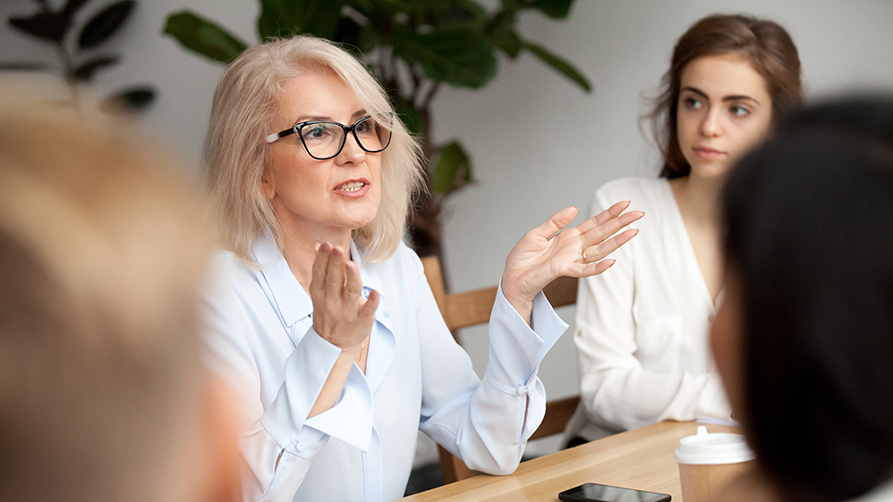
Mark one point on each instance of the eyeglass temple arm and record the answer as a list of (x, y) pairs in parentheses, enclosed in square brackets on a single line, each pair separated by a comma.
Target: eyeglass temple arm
[(281, 134)]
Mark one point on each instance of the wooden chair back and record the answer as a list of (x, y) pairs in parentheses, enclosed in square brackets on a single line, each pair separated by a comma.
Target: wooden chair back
[(470, 308)]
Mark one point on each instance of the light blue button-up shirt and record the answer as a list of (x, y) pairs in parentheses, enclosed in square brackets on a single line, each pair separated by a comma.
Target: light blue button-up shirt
[(260, 337)]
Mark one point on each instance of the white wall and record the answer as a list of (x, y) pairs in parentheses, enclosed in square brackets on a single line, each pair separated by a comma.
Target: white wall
[(538, 143)]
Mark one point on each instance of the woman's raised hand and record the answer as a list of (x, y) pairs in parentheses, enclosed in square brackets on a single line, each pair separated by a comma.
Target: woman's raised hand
[(340, 313), (546, 253)]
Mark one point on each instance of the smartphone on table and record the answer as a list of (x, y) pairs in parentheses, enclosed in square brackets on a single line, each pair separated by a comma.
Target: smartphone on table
[(593, 492)]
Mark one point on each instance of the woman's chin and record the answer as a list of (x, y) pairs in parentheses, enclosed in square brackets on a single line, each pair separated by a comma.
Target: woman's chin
[(358, 222), (711, 170)]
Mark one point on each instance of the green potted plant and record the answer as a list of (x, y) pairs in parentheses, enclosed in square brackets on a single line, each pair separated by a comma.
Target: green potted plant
[(82, 56), (413, 47)]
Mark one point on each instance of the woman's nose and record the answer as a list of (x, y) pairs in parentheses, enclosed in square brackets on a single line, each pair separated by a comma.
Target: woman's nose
[(711, 126), (351, 153)]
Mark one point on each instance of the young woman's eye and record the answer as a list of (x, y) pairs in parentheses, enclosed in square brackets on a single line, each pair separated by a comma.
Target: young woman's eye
[(691, 103), (739, 111)]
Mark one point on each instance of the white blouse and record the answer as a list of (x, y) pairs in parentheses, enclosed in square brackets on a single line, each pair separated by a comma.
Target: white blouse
[(260, 337), (642, 326)]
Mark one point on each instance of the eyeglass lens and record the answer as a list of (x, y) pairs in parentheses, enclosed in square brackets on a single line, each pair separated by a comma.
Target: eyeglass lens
[(326, 139)]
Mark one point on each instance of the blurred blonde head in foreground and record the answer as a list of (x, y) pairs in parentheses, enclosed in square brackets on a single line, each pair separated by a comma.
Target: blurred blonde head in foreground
[(102, 252)]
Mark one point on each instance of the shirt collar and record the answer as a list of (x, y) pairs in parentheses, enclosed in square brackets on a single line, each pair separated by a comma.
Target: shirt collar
[(291, 300), (371, 280), (368, 274)]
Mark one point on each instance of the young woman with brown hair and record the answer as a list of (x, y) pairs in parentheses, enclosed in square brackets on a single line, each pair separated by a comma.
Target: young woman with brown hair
[(642, 327)]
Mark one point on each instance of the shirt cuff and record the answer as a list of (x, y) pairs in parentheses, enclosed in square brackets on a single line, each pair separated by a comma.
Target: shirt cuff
[(350, 420), (544, 321), (306, 371), (516, 348)]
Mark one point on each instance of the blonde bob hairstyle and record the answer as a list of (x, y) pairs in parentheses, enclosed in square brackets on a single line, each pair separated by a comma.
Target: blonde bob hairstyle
[(236, 152)]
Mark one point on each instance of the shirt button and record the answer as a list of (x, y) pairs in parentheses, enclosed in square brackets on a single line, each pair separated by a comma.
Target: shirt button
[(386, 314), (522, 389), (300, 446)]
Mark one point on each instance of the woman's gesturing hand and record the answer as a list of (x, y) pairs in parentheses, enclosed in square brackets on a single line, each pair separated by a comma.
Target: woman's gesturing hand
[(546, 253), (340, 313)]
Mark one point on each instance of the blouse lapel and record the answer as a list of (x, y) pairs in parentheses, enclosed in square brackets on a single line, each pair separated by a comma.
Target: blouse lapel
[(282, 287), (383, 342)]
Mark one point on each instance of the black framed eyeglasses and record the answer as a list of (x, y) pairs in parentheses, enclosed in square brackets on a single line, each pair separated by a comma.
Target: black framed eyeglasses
[(324, 139)]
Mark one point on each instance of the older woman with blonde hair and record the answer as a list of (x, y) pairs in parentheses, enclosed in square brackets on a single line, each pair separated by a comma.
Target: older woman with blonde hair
[(323, 317)]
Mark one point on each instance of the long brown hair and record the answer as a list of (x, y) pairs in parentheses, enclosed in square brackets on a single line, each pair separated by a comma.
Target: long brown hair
[(762, 43)]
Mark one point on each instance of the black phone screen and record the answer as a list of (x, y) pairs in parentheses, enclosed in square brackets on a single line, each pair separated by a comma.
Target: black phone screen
[(591, 492)]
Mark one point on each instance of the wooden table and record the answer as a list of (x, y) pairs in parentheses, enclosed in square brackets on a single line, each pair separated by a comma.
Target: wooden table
[(641, 458)]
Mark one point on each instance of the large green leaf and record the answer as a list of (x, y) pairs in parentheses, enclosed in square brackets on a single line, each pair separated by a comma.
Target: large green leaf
[(561, 65), (443, 14), (472, 8), (364, 7), (382, 7), (50, 26), (557, 9), (511, 5), (276, 20), (410, 116), (452, 169), (459, 57), (501, 33), (358, 39), (105, 23), (203, 37), (281, 18)]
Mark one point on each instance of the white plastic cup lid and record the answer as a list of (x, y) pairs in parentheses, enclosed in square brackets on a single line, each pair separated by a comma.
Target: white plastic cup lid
[(716, 448)]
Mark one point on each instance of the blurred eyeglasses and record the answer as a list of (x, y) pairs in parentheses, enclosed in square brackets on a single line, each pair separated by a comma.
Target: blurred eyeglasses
[(324, 139)]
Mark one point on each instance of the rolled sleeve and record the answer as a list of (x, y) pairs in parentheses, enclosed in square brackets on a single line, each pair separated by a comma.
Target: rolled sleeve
[(516, 348), (297, 438), (488, 424), (310, 363)]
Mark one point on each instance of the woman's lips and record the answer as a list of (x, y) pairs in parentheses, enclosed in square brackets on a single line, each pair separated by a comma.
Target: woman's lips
[(707, 153), (353, 188)]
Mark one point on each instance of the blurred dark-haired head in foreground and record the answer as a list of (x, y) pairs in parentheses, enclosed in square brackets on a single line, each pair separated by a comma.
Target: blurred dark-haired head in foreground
[(804, 337), (102, 252)]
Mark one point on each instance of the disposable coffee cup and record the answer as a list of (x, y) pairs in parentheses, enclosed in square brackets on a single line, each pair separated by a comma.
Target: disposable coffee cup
[(707, 462)]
